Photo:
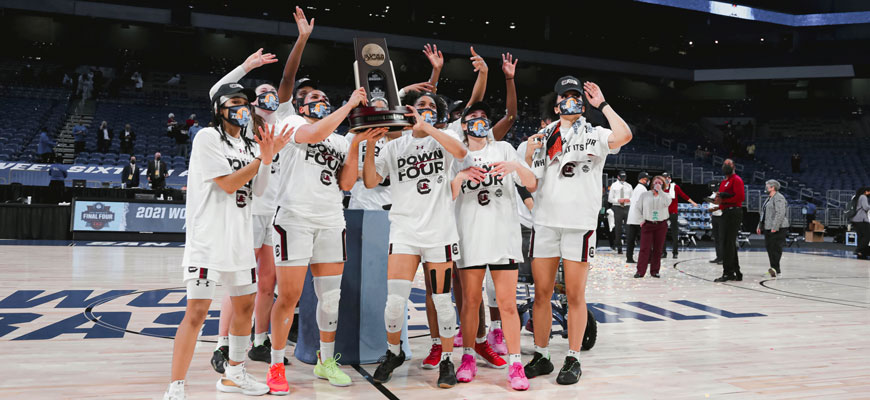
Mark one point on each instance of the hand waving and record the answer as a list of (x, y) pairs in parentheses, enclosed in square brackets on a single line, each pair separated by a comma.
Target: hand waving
[(593, 94), (508, 65), (477, 62), (302, 23), (258, 59)]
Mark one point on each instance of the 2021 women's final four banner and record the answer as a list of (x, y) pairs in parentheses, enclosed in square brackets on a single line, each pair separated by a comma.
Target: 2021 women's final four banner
[(117, 216)]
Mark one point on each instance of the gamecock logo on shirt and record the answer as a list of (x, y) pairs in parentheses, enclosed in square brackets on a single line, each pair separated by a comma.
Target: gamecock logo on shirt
[(568, 170), (423, 186), (325, 177), (483, 197)]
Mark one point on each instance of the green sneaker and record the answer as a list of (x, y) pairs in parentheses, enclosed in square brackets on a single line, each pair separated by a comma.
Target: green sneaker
[(328, 369)]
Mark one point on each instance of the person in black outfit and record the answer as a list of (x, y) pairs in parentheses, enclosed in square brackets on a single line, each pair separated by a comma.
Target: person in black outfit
[(157, 173), (104, 137), (130, 174), (730, 198), (127, 138)]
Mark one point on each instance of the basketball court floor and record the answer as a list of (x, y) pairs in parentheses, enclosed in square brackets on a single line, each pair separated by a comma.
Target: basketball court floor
[(804, 335)]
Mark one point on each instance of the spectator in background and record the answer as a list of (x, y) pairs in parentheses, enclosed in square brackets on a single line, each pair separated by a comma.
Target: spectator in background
[(730, 198), (635, 218), (796, 163), (104, 137), (193, 130), (809, 212), (774, 217), (130, 174), (175, 80), (190, 121), (79, 132), (157, 172), (171, 124), (750, 151), (181, 140), (45, 148), (57, 172), (137, 81), (653, 207), (127, 138), (620, 202), (861, 222), (673, 191), (716, 219)]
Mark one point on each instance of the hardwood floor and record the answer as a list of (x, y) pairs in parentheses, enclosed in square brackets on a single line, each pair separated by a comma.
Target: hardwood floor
[(805, 335)]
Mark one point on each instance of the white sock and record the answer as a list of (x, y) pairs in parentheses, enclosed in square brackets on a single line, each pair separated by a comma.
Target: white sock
[(327, 350), (436, 340), (468, 350), (238, 347), (394, 348), (545, 351), (575, 354), (278, 356), (515, 358), (495, 325), (259, 339), (222, 341), (233, 370), (480, 340), (176, 386), (446, 356)]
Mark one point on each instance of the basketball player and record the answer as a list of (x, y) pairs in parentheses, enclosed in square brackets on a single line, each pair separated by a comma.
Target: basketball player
[(310, 228), (569, 162), (422, 228), (490, 237), (225, 168)]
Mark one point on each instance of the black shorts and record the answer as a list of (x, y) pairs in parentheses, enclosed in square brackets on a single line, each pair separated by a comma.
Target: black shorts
[(512, 266)]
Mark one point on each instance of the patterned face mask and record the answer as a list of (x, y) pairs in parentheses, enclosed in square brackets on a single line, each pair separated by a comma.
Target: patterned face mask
[(428, 115), (478, 127), (239, 115), (317, 109), (268, 101), (571, 106)]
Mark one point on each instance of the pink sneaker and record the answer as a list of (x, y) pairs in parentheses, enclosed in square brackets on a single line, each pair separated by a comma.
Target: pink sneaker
[(468, 369), (517, 377), (495, 338), (457, 340)]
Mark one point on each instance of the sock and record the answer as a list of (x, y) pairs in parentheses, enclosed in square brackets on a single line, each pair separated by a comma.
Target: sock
[(575, 354), (480, 340), (238, 347), (436, 340), (446, 356), (468, 350), (495, 325), (545, 351), (222, 341), (233, 370), (259, 339), (175, 386), (327, 350), (395, 348), (515, 358), (277, 356)]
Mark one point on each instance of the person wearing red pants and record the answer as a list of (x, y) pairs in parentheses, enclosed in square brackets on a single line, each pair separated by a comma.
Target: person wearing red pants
[(653, 205)]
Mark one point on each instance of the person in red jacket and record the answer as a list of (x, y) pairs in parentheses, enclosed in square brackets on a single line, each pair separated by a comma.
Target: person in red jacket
[(730, 199), (673, 192)]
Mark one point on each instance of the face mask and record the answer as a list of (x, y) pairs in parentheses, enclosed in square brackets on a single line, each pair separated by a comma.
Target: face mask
[(571, 106), (157, 158), (727, 169), (478, 127), (317, 109), (658, 186), (428, 115), (132, 161), (268, 101), (239, 115)]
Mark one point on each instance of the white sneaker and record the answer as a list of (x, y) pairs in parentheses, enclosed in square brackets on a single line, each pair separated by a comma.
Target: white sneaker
[(237, 380), (771, 272), (175, 392)]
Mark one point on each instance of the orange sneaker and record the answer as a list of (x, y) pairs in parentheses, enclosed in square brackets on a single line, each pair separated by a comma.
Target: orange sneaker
[(276, 380)]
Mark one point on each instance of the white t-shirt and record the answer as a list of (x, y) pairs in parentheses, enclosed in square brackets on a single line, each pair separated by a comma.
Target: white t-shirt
[(268, 202), (569, 187), (486, 212), (619, 190), (308, 193), (422, 211), (375, 198), (219, 225), (635, 217)]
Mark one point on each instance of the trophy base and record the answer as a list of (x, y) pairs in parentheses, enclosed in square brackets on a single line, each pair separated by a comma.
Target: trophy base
[(362, 118)]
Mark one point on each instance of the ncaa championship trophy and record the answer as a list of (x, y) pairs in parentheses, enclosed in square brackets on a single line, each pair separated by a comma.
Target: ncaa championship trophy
[(373, 70)]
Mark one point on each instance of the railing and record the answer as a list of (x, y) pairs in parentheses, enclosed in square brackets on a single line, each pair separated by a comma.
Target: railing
[(718, 160), (698, 175), (706, 177), (758, 176), (834, 217), (754, 200), (677, 168)]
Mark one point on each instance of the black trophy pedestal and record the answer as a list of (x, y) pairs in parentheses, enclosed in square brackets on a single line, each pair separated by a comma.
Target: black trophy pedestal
[(362, 118)]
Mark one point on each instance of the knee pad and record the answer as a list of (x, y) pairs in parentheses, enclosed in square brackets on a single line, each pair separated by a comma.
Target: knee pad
[(446, 314), (398, 291), (328, 291), (490, 290)]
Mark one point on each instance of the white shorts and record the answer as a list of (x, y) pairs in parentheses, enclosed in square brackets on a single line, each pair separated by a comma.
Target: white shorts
[(298, 246), (262, 231), (569, 244), (202, 282), (438, 254)]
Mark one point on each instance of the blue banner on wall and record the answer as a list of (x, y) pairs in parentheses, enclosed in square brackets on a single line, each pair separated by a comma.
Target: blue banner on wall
[(117, 216), (37, 174)]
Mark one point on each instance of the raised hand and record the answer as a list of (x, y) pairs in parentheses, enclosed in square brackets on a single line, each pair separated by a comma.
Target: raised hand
[(419, 123), (421, 87), (269, 143), (358, 97), (477, 62), (474, 174), (302, 23), (434, 55), (258, 59), (593, 94), (508, 65), (370, 135)]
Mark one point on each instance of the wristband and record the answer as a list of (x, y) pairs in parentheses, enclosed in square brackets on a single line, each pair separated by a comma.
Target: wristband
[(258, 158), (602, 105)]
